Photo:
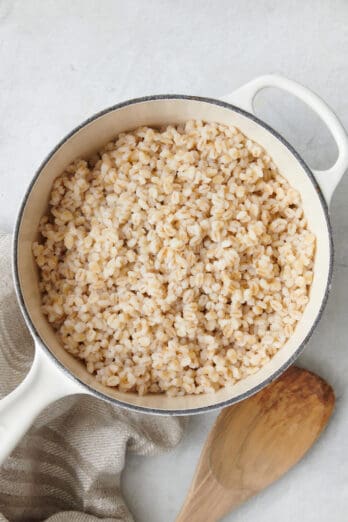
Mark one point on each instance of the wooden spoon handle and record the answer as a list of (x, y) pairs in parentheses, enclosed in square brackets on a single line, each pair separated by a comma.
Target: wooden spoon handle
[(208, 500)]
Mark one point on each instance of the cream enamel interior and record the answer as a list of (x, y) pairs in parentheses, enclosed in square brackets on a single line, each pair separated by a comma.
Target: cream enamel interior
[(157, 112)]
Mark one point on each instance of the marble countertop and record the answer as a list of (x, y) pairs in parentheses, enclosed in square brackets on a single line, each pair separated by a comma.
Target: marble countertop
[(60, 62)]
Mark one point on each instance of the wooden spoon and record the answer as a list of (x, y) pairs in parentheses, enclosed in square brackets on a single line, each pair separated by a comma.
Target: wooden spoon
[(255, 442)]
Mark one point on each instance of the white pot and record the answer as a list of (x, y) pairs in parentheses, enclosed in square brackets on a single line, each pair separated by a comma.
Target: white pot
[(55, 373)]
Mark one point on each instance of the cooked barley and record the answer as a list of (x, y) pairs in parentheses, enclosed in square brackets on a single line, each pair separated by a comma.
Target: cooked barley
[(177, 261)]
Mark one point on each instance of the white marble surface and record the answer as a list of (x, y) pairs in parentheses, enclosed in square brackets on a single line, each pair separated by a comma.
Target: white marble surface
[(60, 61)]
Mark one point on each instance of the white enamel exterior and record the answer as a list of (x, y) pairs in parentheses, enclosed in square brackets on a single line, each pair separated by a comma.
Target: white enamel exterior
[(244, 98), (43, 385), (47, 380)]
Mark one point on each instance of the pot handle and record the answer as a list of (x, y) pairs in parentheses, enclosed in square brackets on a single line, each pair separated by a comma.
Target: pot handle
[(244, 96), (44, 384)]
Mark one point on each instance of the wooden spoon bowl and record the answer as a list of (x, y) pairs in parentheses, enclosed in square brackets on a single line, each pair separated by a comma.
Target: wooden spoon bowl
[(255, 442)]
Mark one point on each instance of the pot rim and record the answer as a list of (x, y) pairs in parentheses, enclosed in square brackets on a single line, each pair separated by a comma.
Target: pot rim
[(158, 411)]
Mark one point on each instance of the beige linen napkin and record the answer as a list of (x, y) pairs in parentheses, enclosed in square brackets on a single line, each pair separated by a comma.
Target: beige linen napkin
[(68, 467)]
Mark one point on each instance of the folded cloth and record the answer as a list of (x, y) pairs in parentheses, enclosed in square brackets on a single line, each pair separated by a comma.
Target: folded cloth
[(68, 466)]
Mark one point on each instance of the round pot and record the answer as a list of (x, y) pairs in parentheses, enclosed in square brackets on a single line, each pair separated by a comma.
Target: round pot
[(54, 372)]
